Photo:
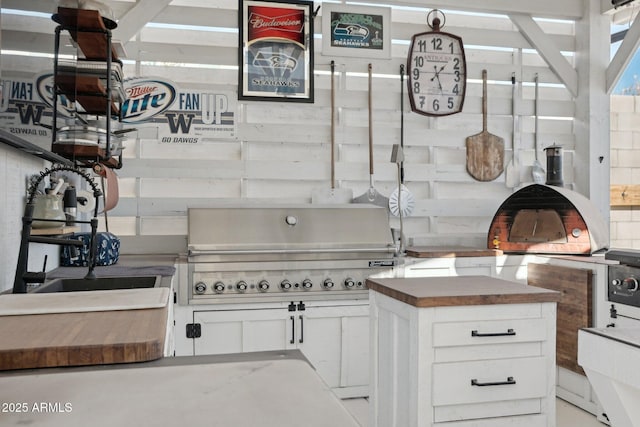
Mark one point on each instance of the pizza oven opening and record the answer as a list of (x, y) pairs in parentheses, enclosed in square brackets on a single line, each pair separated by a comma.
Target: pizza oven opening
[(548, 220)]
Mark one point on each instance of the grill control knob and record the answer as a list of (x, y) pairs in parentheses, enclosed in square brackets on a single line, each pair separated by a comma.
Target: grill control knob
[(327, 284), (200, 288), (291, 220), (263, 285), (630, 283), (349, 283), (241, 286), (285, 285), (218, 287), (306, 284)]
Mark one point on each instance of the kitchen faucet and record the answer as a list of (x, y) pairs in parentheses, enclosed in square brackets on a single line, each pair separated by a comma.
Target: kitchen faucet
[(23, 276)]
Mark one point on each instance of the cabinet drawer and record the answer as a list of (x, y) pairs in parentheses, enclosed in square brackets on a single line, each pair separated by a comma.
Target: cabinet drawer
[(484, 332), (539, 420), (453, 382), (474, 313)]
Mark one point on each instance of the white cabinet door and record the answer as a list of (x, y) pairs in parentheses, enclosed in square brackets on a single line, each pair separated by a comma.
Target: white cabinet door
[(240, 331), (335, 339), (336, 342)]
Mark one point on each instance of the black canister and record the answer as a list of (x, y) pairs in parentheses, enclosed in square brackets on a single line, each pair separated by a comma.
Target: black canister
[(554, 165), (70, 203)]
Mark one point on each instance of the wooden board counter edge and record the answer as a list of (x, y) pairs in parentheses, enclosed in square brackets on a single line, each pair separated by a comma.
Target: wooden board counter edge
[(450, 252), (458, 291), (84, 338)]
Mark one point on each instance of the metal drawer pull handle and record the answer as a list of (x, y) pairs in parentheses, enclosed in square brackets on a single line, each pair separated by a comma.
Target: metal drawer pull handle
[(475, 333), (293, 330), (509, 381), (301, 340)]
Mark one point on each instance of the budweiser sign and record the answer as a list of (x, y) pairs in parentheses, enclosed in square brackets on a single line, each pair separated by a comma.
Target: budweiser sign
[(275, 23)]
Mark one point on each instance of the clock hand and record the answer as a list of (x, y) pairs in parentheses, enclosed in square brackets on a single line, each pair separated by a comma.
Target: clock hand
[(436, 75)]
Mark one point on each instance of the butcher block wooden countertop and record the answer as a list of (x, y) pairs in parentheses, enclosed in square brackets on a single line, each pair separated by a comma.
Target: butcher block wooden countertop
[(450, 252), (456, 291), (119, 333)]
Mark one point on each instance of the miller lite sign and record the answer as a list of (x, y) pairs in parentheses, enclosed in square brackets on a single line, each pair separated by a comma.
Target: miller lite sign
[(180, 115)]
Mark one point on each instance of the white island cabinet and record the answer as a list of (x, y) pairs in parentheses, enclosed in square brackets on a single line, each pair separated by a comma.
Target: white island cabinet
[(606, 354), (459, 350)]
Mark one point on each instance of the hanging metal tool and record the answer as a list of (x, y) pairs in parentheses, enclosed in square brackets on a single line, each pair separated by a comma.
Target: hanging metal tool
[(333, 194), (371, 195), (401, 201), (512, 171), (537, 171)]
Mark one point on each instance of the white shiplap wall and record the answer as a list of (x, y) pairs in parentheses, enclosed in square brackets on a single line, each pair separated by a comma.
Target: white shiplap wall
[(14, 169), (282, 150)]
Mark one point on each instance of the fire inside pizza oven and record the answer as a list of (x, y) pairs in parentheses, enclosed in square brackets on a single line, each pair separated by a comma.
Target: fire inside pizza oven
[(548, 220)]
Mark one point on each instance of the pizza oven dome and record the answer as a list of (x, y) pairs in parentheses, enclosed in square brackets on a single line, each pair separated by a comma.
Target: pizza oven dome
[(548, 220)]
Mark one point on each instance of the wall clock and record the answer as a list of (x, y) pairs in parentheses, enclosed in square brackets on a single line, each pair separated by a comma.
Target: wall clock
[(437, 70)]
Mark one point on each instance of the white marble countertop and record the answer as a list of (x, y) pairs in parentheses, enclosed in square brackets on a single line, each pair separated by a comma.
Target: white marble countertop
[(265, 393), (83, 301), (629, 336)]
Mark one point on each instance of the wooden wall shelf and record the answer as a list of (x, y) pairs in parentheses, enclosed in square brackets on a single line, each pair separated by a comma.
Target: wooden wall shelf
[(54, 231), (87, 155), (88, 29), (32, 149), (88, 91), (624, 195), (92, 33)]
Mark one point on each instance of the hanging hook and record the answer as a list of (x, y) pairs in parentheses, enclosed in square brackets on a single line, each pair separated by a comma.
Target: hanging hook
[(433, 21)]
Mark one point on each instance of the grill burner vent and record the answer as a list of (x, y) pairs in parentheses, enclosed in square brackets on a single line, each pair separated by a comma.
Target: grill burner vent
[(548, 220)]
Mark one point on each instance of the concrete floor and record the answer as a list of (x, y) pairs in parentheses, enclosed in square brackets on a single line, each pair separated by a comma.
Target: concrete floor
[(567, 415)]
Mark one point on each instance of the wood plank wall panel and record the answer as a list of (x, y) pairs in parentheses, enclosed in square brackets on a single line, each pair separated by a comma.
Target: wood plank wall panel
[(282, 149), (574, 308), (13, 169)]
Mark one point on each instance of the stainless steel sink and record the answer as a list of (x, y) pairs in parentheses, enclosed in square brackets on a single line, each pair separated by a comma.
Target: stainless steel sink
[(99, 284)]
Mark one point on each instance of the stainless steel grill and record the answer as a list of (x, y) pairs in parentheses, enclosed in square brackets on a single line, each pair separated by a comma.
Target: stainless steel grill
[(624, 279), (245, 253)]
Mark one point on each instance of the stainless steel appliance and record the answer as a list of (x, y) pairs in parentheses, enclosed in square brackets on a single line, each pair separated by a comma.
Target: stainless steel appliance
[(279, 277), (250, 252), (623, 295), (547, 219), (623, 289)]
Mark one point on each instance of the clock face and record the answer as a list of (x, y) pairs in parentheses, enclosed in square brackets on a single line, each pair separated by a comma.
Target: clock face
[(437, 73)]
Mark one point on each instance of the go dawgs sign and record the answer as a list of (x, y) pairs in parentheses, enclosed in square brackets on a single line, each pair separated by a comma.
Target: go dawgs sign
[(181, 116)]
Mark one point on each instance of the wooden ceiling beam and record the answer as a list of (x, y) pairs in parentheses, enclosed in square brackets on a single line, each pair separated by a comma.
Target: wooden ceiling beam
[(565, 9), (547, 49), (623, 56), (137, 17)]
